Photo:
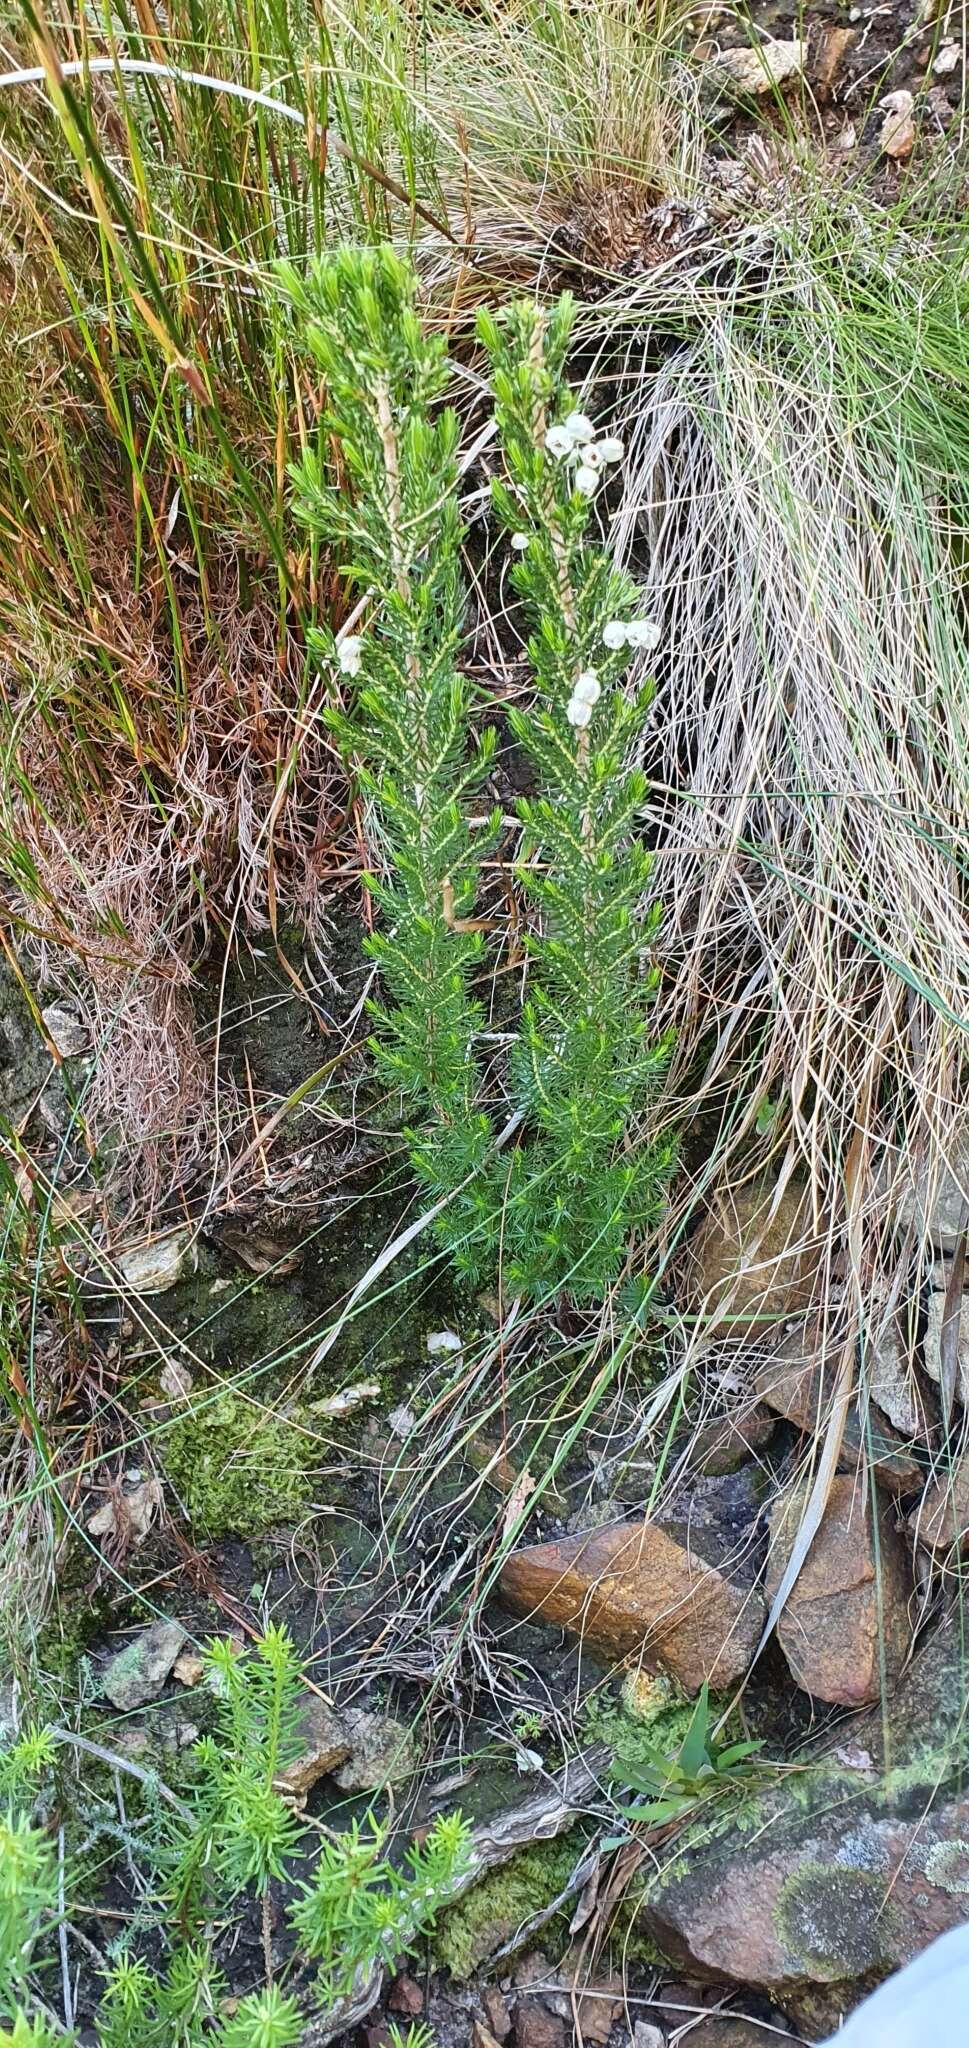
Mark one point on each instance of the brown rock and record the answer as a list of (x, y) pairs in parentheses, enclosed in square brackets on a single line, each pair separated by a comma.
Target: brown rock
[(406, 1996), (941, 1519), (597, 2008), (640, 1589), (482, 2036), (897, 136), (798, 1380), (536, 2027), (748, 1267), (327, 1744), (845, 1614), (726, 1441), (832, 1883), (497, 2012), (834, 44), (730, 2030)]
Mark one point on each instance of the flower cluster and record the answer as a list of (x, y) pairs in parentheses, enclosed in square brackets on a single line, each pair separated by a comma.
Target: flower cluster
[(349, 654), (574, 439), (586, 691), (634, 633)]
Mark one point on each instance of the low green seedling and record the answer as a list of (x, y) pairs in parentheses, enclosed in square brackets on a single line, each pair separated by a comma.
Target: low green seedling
[(675, 1784)]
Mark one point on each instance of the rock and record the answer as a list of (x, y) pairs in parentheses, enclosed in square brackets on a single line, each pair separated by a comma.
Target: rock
[(188, 1669), (932, 1345), (646, 2035), (596, 2008), (536, 2027), (832, 49), (127, 1515), (154, 1267), (746, 1268), (832, 1882), (846, 1619), (406, 1996), (934, 1202), (763, 69), (897, 136), (798, 1380), (497, 2012), (138, 1672), (381, 1751), (66, 1030), (729, 2030), (326, 1742), (724, 1443), (941, 1520), (948, 60), (175, 1380), (642, 1588)]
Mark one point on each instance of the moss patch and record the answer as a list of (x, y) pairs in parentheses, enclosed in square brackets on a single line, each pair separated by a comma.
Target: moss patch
[(492, 1912), (236, 1471)]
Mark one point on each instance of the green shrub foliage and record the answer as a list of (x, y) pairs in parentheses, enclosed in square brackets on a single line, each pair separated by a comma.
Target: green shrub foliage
[(560, 1210)]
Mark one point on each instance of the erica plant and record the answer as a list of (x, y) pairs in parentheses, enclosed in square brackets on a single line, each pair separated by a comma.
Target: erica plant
[(586, 1062)]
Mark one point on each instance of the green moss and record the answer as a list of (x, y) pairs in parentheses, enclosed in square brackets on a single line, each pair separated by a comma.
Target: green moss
[(651, 1714), (492, 1912), (832, 1921), (236, 1471)]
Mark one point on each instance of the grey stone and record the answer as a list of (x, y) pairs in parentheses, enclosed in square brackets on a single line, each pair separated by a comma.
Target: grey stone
[(138, 1672)]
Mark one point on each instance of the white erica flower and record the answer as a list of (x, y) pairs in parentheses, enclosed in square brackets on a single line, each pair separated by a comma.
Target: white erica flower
[(615, 633), (519, 541), (578, 713), (586, 480), (609, 449), (643, 633), (349, 654), (559, 442), (580, 429), (586, 688)]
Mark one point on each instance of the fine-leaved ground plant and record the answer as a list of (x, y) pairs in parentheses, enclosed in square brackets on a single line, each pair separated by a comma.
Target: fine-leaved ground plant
[(355, 1909), (583, 1179)]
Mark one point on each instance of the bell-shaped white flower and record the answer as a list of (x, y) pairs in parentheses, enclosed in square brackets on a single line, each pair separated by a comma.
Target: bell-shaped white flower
[(349, 654), (578, 713), (643, 633), (519, 541), (559, 442), (580, 429), (586, 480), (615, 633), (609, 449), (586, 688)]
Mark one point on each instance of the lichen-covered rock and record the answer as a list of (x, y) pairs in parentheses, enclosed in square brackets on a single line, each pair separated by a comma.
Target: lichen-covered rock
[(838, 1875), (644, 1589), (763, 68), (381, 1751), (845, 1627), (138, 1672), (935, 1318), (753, 1260)]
